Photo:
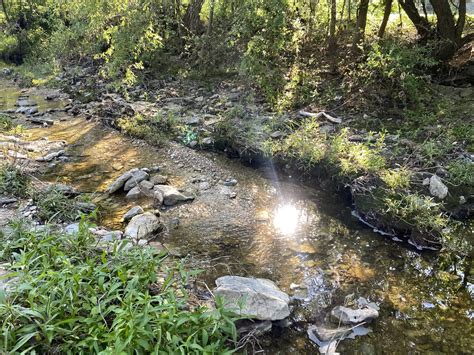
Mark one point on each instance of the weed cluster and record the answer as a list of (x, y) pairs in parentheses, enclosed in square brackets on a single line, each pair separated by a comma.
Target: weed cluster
[(55, 206), (13, 180), (153, 129), (70, 297)]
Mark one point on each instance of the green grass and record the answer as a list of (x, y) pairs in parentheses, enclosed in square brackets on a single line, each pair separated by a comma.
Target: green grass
[(70, 297)]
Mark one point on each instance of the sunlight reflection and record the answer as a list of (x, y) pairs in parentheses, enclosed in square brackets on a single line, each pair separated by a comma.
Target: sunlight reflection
[(286, 219)]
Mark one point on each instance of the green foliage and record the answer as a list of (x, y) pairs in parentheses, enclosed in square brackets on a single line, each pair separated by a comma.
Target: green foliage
[(396, 178), (266, 27), (401, 67), (461, 172), (306, 144), (54, 205), (6, 123), (70, 297), (355, 158), (154, 129), (417, 211), (13, 180), (131, 42)]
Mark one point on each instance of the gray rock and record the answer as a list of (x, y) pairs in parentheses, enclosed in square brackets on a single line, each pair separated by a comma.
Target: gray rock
[(72, 228), (328, 334), (157, 197), (7, 200), (262, 299), (139, 192), (354, 316), (145, 184), (159, 179), (86, 207), (207, 141), (132, 212), (49, 157), (25, 102), (134, 194), (7, 71), (171, 195), (120, 181), (143, 226), (204, 185), (135, 179), (437, 188), (256, 328), (194, 121), (230, 182)]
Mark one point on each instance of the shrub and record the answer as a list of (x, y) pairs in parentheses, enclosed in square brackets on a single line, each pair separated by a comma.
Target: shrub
[(401, 67), (6, 123), (153, 129), (54, 205), (307, 144), (13, 180), (355, 158), (69, 297)]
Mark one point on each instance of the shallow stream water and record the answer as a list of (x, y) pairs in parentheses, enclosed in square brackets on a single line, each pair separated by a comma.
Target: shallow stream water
[(302, 237)]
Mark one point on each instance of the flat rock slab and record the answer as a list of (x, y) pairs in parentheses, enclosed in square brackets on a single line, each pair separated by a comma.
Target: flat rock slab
[(262, 299), (354, 316), (132, 212), (328, 334), (171, 195), (143, 226)]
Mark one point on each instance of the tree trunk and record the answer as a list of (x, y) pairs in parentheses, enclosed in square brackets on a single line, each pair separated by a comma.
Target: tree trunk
[(447, 29), (349, 10), (191, 18), (421, 24), (361, 21), (332, 27), (386, 14), (211, 17), (5, 11), (461, 18)]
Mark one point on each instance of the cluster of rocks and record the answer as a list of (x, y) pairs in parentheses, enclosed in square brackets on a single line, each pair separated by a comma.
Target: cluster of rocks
[(345, 323), (143, 183), (142, 227)]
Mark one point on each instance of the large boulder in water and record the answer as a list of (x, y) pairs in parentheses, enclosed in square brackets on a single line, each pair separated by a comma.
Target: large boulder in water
[(171, 195), (143, 226), (262, 299)]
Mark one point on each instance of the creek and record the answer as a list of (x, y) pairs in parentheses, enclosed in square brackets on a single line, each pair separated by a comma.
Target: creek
[(273, 226)]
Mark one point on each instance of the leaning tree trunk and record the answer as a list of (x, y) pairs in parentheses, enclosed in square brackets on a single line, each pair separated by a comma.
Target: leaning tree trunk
[(422, 25), (386, 14), (361, 21)]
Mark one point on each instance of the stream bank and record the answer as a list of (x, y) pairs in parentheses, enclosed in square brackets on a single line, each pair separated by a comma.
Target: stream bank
[(272, 226)]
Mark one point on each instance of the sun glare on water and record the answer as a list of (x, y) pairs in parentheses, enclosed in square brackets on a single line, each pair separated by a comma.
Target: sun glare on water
[(286, 219)]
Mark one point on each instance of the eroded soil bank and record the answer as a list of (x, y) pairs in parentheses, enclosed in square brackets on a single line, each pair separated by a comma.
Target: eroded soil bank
[(269, 225)]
